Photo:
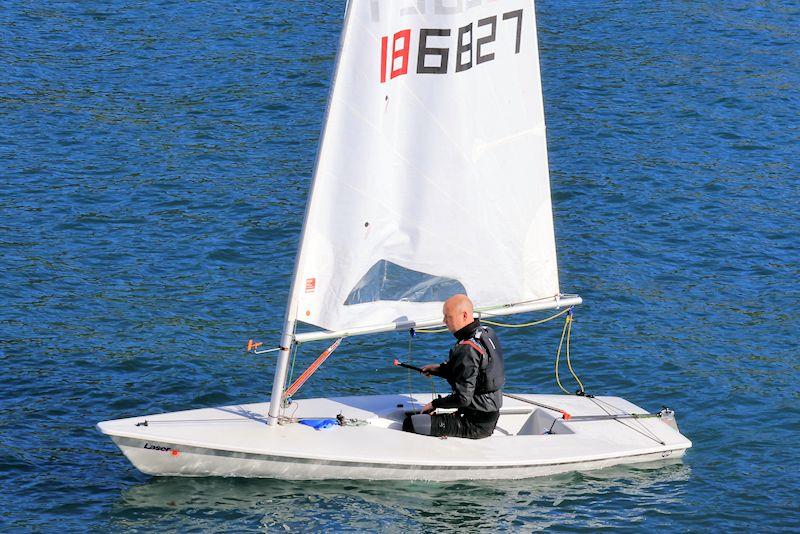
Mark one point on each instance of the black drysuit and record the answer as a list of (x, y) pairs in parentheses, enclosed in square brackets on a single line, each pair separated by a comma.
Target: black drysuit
[(476, 395)]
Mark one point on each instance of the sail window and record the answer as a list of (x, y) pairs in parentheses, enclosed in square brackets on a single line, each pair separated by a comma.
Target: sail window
[(388, 281)]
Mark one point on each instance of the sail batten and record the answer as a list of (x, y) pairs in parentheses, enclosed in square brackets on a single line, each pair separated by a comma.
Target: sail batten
[(432, 170)]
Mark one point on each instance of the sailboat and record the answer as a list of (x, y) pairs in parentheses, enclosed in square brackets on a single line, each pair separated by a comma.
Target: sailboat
[(431, 180)]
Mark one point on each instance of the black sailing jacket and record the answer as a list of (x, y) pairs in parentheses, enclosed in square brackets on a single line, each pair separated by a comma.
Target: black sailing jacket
[(463, 369)]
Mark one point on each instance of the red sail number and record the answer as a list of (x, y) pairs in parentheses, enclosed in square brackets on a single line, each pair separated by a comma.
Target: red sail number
[(401, 53)]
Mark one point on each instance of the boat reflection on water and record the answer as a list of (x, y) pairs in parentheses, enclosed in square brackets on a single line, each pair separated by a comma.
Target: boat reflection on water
[(599, 498)]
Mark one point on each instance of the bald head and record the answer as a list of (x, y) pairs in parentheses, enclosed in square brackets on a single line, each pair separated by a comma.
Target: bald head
[(457, 311)]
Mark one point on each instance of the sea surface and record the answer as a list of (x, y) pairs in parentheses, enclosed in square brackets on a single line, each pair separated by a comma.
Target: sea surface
[(154, 164)]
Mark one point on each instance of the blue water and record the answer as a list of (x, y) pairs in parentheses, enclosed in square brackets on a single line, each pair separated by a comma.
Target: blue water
[(154, 162)]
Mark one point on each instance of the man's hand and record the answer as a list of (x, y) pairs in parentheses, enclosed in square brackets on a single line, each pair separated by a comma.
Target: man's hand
[(430, 369), (428, 408)]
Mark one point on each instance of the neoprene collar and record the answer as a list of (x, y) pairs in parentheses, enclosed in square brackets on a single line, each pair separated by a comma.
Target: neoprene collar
[(468, 331)]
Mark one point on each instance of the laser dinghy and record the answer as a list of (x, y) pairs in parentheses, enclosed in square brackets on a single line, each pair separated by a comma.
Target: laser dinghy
[(431, 179)]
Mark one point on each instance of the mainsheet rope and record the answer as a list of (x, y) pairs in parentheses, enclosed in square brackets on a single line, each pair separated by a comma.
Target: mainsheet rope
[(643, 430), (565, 332), (496, 323)]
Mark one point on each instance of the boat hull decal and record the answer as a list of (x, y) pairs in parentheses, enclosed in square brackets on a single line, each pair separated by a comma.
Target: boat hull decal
[(185, 449)]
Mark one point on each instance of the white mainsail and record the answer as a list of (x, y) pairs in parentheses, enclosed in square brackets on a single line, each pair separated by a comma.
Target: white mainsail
[(432, 175)]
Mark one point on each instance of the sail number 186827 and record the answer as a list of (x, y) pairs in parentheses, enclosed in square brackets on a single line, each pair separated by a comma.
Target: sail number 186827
[(473, 45)]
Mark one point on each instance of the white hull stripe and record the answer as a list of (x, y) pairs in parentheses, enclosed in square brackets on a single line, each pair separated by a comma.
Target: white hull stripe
[(138, 443)]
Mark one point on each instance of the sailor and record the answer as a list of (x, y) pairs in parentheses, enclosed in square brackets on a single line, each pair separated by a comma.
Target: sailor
[(474, 370)]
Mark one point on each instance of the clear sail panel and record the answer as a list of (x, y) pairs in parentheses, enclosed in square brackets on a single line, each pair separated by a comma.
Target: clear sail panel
[(388, 281)]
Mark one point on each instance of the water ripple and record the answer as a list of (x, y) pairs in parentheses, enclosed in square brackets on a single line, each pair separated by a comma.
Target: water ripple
[(155, 161)]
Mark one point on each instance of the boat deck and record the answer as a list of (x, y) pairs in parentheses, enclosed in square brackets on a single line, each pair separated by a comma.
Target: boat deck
[(236, 441)]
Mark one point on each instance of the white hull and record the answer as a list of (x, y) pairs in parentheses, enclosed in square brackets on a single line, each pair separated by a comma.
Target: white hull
[(236, 441)]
